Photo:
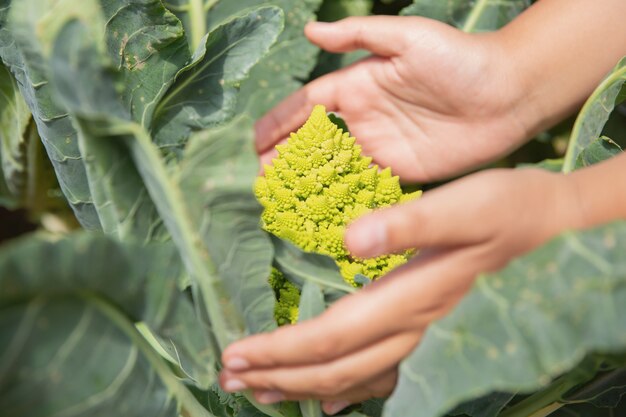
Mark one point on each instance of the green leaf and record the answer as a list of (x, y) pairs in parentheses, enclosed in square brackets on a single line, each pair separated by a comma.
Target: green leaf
[(606, 390), (148, 47), (552, 165), (86, 88), (14, 121), (311, 301), (333, 10), (217, 176), (300, 267), (24, 57), (594, 114), (289, 61), (67, 329), (599, 150), (311, 305), (589, 410), (205, 91), (469, 15), (522, 327), (487, 406)]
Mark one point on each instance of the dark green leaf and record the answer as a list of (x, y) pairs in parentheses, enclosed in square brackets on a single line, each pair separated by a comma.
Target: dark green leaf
[(288, 63), (606, 390), (148, 46), (597, 151), (594, 114), (520, 328), (205, 91), (469, 15), (487, 406), (67, 329), (87, 89), (589, 410)]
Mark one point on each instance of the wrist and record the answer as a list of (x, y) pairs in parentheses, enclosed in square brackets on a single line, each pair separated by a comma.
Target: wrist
[(595, 192)]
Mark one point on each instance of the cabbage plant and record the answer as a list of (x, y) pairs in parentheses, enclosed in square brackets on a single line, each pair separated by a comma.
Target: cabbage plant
[(126, 136)]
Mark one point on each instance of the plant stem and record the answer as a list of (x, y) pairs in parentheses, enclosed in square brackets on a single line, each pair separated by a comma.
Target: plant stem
[(474, 16), (547, 401), (197, 16)]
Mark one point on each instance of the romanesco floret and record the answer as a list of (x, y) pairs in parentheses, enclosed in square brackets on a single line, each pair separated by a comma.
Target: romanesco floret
[(287, 298), (317, 185)]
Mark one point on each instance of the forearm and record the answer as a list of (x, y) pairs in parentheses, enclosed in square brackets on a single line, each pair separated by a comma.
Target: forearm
[(599, 192), (559, 51)]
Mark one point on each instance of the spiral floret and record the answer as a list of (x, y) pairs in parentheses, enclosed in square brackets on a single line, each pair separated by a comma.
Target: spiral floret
[(317, 185)]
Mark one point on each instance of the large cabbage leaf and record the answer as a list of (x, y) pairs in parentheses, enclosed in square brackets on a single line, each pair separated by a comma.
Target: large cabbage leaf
[(68, 334)]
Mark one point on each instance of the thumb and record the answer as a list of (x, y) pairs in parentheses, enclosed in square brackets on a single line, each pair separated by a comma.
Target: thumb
[(433, 221), (382, 35)]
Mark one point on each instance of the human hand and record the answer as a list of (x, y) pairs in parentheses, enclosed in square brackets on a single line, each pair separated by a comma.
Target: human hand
[(432, 103), (351, 352)]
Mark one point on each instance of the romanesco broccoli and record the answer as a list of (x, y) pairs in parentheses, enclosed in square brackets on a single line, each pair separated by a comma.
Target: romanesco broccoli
[(287, 298), (317, 185)]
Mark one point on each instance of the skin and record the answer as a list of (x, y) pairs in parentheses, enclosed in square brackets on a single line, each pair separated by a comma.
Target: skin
[(433, 103)]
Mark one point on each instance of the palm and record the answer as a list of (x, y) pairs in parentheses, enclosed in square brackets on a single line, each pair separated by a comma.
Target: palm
[(430, 112)]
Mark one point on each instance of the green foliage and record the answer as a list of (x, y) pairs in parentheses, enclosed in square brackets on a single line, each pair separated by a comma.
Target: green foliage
[(595, 113), (469, 15), (67, 330), (144, 110)]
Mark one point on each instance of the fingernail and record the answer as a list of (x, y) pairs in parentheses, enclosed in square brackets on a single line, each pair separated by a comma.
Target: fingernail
[(368, 238), (270, 397), (237, 364), (233, 385), (335, 407)]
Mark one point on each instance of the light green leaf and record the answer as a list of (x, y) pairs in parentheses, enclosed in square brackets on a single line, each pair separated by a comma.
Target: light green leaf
[(14, 121), (469, 15), (311, 301), (599, 150), (23, 56), (522, 327), (67, 329), (217, 176), (205, 91), (300, 267), (594, 114), (311, 304)]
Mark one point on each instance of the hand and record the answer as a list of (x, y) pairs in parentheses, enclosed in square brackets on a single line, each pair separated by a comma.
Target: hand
[(351, 352), (432, 103)]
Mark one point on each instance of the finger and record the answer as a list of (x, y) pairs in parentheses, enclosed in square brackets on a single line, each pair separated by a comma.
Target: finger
[(382, 35), (435, 220), (292, 112), (338, 331), (407, 299), (325, 380), (380, 387)]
